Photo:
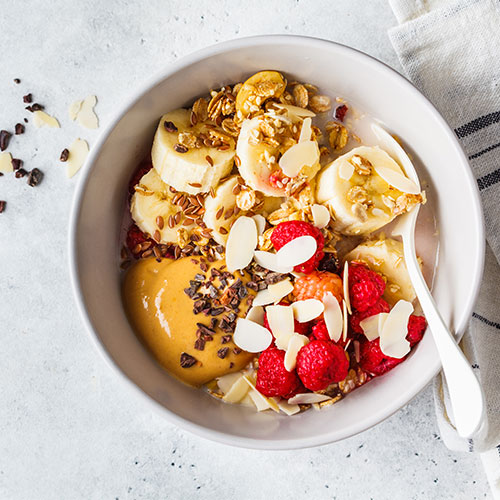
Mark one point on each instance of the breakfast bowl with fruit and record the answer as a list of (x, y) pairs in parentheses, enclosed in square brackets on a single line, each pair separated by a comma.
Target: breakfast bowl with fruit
[(232, 247)]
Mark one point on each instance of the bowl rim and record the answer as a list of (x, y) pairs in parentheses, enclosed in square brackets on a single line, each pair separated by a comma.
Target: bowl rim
[(144, 88)]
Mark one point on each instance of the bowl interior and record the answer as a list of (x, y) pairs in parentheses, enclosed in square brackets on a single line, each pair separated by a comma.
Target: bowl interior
[(377, 90)]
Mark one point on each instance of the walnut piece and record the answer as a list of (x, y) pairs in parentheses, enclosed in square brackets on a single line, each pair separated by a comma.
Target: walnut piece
[(361, 165), (338, 137)]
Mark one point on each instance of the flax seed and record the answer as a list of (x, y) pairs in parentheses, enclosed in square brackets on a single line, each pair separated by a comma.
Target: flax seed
[(236, 189), (177, 217), (145, 245), (147, 253), (160, 222), (157, 236), (177, 252), (195, 184), (209, 160), (237, 160), (172, 189), (137, 248), (219, 213), (171, 221), (188, 221), (223, 230), (228, 214), (212, 192), (201, 199), (157, 253)]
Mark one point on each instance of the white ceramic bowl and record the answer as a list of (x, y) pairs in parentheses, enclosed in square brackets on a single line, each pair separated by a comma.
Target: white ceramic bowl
[(100, 199)]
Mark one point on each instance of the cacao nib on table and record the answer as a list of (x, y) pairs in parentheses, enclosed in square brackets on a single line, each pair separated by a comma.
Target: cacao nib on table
[(4, 139), (35, 177)]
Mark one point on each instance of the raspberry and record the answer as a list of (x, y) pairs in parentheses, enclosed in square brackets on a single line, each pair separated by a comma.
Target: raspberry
[(273, 380), (416, 329), (365, 286), (381, 306), (285, 232), (143, 168), (302, 328), (278, 179), (320, 332), (135, 236), (373, 360), (320, 363), (316, 284)]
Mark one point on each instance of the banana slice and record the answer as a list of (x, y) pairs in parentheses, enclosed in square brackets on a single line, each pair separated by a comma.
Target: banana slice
[(153, 199), (355, 187), (386, 257), (220, 210), (182, 159), (263, 141), (259, 87)]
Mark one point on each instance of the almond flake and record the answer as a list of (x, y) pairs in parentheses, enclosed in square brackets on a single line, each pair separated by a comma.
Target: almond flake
[(296, 111), (306, 130), (295, 344), (393, 335), (346, 324), (282, 341), (237, 391), (297, 251), (280, 319), (86, 115), (286, 408), (40, 119), (397, 180), (78, 152), (346, 170), (372, 326), (260, 222), (307, 310), (321, 215), (74, 109), (308, 398), (298, 156), (261, 402), (345, 283), (332, 316), (241, 243), (250, 336), (273, 293), (6, 163), (269, 261), (225, 382), (256, 314)]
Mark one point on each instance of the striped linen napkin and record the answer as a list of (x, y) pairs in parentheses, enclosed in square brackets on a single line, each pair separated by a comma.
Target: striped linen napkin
[(450, 49)]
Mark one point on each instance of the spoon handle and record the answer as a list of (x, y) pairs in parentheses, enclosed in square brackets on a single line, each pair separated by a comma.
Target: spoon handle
[(464, 389)]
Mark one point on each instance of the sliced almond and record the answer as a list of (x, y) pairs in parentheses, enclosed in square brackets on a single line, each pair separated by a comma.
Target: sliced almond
[(286, 408), (332, 316), (397, 180), (260, 222), (306, 130), (6, 163), (261, 402), (295, 344), (393, 335), (297, 251), (308, 398), (345, 282), (41, 119), (241, 243), (282, 341), (321, 215), (298, 156), (273, 293), (250, 336), (372, 326), (296, 111), (74, 109), (78, 152), (346, 170), (280, 319), (269, 261), (237, 391), (86, 115), (225, 382), (307, 310), (346, 324), (256, 314)]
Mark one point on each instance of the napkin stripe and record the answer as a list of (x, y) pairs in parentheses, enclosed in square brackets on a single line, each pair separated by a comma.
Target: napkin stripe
[(487, 150), (477, 124), (486, 320), (489, 179)]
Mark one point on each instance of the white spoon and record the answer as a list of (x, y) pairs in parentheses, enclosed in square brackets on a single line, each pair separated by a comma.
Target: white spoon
[(464, 389)]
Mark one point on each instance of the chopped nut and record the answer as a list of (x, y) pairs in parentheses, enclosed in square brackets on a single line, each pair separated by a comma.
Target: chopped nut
[(357, 194), (361, 165), (320, 103), (301, 96), (246, 199), (265, 242), (182, 237), (338, 137), (200, 109), (187, 139)]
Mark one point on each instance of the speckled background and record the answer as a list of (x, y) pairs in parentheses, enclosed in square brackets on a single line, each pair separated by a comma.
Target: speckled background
[(69, 429)]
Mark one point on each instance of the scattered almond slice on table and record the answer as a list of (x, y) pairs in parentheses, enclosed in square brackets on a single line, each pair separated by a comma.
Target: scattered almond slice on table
[(78, 152), (83, 112), (6, 166), (41, 119)]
